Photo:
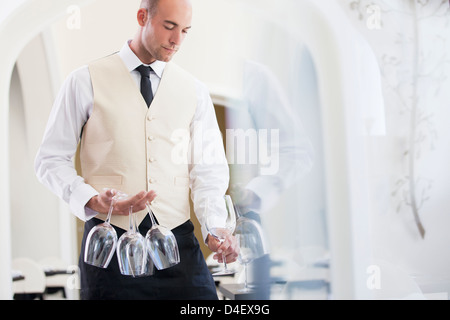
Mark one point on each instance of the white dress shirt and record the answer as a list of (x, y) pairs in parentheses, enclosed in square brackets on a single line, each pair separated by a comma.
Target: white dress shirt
[(54, 161)]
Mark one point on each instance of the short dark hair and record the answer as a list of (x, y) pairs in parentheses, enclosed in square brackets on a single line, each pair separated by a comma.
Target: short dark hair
[(150, 5)]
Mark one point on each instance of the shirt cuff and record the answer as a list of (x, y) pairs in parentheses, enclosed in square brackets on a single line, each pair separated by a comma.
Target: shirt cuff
[(78, 199), (204, 233)]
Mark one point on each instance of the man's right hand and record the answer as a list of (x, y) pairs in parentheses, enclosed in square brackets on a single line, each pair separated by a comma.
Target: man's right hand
[(102, 202)]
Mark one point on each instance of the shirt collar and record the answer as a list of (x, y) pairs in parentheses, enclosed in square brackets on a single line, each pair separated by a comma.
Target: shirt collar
[(132, 61)]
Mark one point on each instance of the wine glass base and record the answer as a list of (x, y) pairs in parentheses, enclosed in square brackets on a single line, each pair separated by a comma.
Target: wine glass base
[(223, 273), (250, 288)]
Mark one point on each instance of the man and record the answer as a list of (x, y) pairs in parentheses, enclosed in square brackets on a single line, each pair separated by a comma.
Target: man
[(133, 141)]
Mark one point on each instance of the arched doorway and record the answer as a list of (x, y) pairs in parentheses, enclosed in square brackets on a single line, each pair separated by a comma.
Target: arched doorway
[(24, 22)]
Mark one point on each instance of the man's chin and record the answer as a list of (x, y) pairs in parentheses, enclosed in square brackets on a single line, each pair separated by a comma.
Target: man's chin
[(165, 58)]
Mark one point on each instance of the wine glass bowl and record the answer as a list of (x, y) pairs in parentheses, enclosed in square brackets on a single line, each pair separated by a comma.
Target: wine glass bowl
[(100, 245), (132, 254), (121, 251), (102, 240), (162, 245), (251, 243), (220, 222)]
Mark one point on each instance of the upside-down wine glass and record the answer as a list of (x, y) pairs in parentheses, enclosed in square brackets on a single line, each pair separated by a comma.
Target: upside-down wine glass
[(102, 239), (252, 245), (220, 222), (161, 244), (132, 252)]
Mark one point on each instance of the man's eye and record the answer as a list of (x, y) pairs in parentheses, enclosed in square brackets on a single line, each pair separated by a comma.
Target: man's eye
[(168, 28)]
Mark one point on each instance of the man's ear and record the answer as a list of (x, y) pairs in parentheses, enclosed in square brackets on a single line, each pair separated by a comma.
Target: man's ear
[(142, 16)]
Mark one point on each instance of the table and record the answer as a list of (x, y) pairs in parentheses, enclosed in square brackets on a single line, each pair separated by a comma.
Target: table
[(232, 291), (18, 277), (55, 285), (54, 272)]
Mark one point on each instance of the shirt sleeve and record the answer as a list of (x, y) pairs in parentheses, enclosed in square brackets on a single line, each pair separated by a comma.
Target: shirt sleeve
[(208, 167), (54, 164), (289, 153)]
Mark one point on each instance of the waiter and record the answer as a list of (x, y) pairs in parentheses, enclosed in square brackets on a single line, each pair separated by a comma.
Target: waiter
[(133, 115)]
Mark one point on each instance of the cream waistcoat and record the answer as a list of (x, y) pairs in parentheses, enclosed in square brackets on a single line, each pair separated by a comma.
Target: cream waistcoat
[(129, 147)]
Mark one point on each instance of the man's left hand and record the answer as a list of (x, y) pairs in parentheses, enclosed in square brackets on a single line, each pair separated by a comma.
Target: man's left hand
[(229, 246)]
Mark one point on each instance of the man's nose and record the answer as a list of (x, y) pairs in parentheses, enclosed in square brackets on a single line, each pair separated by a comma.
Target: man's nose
[(176, 38)]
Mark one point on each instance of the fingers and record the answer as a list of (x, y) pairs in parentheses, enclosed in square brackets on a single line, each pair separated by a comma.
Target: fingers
[(229, 248), (141, 200), (212, 243), (106, 195), (105, 198), (137, 202), (102, 201), (109, 193)]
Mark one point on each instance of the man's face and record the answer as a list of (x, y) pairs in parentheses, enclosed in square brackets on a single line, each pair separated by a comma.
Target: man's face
[(166, 29)]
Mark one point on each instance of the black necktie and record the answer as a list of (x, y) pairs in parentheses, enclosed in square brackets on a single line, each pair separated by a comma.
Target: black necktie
[(146, 86)]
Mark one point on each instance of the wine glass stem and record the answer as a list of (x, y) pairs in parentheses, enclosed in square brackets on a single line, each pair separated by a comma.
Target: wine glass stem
[(224, 261), (111, 207), (131, 220), (245, 278), (150, 213)]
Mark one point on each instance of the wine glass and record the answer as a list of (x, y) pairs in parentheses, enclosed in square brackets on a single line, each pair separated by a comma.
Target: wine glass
[(102, 239), (161, 244), (132, 252), (220, 222), (250, 238)]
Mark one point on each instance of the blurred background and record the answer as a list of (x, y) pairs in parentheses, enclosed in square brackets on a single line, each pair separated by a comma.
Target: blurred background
[(348, 99)]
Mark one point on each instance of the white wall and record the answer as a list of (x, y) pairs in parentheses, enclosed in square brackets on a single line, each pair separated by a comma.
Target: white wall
[(103, 28), (24, 21), (34, 210), (411, 40)]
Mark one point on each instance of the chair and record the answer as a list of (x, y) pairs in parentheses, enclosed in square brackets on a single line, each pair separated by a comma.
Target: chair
[(55, 282), (33, 285)]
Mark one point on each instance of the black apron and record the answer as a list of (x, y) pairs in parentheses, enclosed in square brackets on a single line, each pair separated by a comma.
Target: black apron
[(188, 280)]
